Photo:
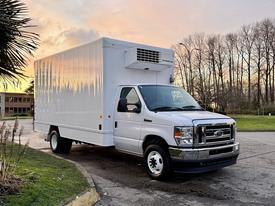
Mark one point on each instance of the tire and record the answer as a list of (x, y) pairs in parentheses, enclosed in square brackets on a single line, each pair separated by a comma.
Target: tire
[(157, 162), (59, 144)]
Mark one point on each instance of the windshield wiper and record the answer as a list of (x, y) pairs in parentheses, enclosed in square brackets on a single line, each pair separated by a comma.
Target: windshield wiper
[(167, 109), (191, 107)]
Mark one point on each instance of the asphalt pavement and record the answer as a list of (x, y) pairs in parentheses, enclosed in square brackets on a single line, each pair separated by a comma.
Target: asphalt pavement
[(121, 179)]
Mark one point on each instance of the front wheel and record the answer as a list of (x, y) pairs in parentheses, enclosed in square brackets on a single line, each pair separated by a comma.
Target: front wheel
[(157, 162), (59, 144)]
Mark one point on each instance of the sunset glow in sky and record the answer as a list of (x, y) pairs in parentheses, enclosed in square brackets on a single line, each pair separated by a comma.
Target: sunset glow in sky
[(63, 24)]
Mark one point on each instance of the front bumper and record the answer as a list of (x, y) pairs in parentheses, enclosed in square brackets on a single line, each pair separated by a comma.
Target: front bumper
[(204, 159)]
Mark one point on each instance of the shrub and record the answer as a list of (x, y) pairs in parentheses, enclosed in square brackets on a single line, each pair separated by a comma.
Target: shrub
[(11, 149)]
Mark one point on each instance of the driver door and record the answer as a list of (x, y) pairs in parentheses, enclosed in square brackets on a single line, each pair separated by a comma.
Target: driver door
[(127, 127)]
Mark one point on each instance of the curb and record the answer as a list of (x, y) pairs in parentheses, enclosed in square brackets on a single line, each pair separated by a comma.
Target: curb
[(88, 197)]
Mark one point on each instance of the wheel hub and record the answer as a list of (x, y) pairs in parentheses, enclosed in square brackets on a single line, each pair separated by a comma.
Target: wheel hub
[(155, 162), (54, 141)]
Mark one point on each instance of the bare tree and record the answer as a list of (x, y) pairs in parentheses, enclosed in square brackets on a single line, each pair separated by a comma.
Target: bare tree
[(257, 57), (232, 72), (248, 41)]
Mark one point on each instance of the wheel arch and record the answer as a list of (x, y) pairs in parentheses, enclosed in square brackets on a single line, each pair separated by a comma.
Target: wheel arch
[(51, 128), (154, 139)]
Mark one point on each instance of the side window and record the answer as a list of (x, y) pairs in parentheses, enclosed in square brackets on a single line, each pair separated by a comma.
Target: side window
[(129, 101)]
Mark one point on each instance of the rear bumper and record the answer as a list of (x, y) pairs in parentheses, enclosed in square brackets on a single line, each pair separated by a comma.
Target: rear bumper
[(204, 159)]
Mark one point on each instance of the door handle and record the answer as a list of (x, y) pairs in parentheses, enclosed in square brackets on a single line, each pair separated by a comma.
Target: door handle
[(115, 124), (147, 120)]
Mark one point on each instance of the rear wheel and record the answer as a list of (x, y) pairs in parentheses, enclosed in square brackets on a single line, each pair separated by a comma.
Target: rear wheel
[(157, 162), (59, 144)]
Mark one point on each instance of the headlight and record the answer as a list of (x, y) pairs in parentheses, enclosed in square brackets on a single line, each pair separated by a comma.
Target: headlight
[(184, 136)]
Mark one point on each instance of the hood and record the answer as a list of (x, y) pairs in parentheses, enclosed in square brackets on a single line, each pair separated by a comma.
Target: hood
[(186, 118)]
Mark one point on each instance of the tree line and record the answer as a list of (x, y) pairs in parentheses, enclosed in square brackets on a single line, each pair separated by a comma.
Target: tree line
[(232, 72)]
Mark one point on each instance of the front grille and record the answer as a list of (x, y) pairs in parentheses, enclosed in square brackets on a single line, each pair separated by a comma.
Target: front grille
[(213, 135), (217, 140)]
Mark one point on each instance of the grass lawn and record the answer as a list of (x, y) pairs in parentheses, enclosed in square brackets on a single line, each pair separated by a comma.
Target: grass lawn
[(50, 180), (253, 122)]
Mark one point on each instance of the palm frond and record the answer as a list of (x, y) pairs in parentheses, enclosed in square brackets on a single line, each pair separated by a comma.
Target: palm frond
[(17, 44)]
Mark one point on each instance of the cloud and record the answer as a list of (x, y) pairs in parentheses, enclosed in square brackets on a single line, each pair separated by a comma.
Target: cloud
[(63, 24), (157, 22), (66, 39), (79, 36)]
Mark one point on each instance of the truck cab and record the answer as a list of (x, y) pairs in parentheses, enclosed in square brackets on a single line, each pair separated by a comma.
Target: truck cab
[(171, 131)]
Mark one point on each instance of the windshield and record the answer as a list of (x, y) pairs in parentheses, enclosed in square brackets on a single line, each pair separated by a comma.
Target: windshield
[(167, 98)]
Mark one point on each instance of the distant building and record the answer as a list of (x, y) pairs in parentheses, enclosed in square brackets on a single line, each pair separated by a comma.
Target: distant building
[(13, 104)]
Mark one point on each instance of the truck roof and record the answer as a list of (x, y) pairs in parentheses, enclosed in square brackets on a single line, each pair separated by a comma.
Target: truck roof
[(110, 42)]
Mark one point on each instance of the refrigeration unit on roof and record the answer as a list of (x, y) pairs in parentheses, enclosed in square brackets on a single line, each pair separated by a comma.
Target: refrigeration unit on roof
[(147, 59)]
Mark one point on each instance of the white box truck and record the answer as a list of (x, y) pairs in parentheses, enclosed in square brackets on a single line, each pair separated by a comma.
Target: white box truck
[(120, 94)]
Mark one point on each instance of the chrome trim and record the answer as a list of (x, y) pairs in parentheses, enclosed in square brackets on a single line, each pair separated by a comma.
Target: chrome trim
[(202, 153), (219, 137), (204, 135), (211, 144), (211, 122)]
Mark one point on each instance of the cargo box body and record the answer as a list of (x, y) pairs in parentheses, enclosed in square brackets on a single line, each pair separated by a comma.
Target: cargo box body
[(75, 89)]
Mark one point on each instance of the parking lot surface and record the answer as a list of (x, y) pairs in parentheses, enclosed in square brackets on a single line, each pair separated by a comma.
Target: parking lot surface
[(121, 179)]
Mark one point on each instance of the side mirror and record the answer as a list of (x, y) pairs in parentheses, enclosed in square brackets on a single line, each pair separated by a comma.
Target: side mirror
[(138, 109), (122, 105)]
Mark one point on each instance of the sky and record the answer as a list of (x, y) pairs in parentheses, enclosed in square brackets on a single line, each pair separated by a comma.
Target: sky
[(63, 24)]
